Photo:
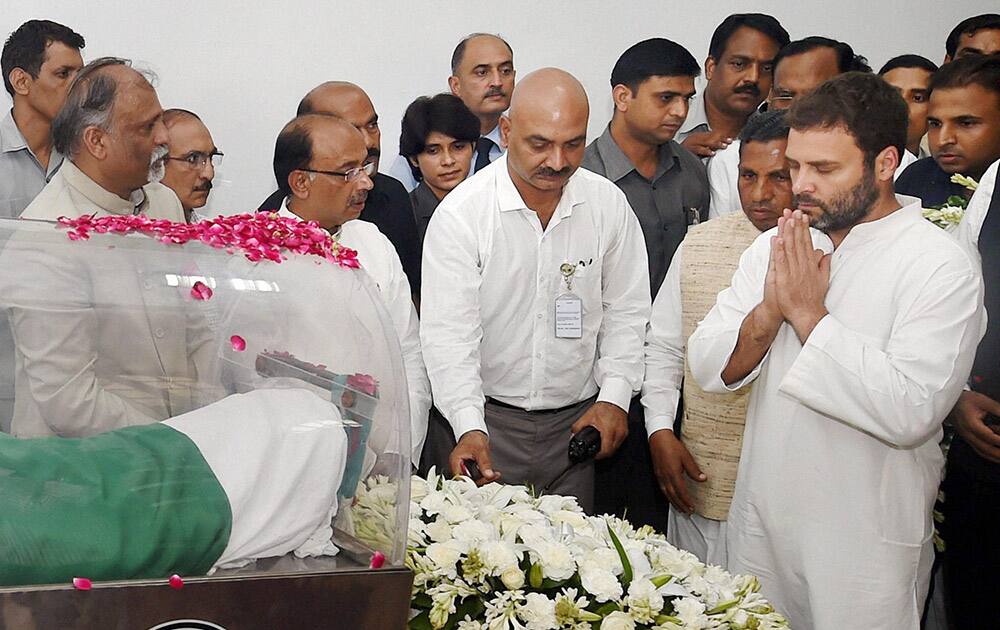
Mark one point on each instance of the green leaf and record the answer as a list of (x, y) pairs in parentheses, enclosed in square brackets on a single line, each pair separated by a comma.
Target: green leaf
[(660, 580), (627, 573), (421, 600), (471, 606), (607, 608), (723, 607), (421, 622)]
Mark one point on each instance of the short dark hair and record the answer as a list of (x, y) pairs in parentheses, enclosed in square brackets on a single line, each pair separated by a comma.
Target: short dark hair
[(765, 127), (25, 48), (443, 113), (847, 61), (174, 114), (909, 61), (969, 26), (90, 102), (459, 52), (293, 150), (981, 70), (760, 22), (863, 104), (656, 57)]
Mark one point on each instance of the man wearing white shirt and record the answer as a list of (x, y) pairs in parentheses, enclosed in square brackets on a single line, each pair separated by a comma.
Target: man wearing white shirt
[(708, 448), (321, 165), (799, 68), (482, 75), (537, 297), (858, 335)]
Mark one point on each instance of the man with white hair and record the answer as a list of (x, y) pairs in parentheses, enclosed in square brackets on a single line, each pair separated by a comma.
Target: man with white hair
[(111, 131), (89, 357)]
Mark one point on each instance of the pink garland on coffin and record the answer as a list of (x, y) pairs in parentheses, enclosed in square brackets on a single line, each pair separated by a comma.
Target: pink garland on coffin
[(260, 236)]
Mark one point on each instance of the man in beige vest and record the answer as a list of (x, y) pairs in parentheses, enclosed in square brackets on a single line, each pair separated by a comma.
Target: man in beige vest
[(712, 428), (101, 341)]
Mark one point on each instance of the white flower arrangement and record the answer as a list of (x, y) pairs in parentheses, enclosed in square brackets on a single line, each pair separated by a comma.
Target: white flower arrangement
[(948, 215), (496, 557)]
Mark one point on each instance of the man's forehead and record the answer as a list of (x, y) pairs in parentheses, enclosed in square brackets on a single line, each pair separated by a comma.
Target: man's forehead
[(59, 53), (817, 143), (338, 144), (964, 98), (485, 49), (986, 40), (189, 132)]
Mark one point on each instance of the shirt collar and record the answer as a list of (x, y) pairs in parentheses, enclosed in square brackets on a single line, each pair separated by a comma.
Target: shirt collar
[(285, 212), (890, 224), (509, 199), (494, 134), (102, 198), (11, 138), (617, 165)]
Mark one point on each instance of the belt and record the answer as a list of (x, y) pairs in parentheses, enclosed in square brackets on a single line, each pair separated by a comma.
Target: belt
[(494, 401)]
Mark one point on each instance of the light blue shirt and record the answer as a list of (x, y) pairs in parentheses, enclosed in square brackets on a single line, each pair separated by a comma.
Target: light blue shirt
[(22, 176), (400, 167)]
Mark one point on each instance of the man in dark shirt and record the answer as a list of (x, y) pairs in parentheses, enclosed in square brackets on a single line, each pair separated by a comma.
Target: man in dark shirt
[(963, 123), (667, 187), (388, 204)]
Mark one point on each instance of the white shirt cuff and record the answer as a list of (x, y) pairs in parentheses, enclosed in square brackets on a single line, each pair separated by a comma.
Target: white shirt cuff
[(616, 391), (658, 424), (468, 419)]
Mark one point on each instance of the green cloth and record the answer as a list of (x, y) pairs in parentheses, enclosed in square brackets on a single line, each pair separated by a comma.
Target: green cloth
[(139, 502)]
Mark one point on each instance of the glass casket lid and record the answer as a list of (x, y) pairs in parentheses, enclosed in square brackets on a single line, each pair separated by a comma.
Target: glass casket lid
[(189, 399)]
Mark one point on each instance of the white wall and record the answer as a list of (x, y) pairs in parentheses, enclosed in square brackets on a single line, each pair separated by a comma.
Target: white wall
[(243, 66)]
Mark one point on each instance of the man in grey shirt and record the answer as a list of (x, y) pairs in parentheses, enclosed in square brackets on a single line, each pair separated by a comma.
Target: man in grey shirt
[(39, 61), (667, 187)]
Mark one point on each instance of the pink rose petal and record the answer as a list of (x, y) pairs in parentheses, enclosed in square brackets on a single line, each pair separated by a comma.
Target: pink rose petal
[(82, 584), (176, 582), (239, 344), (378, 559), (201, 291)]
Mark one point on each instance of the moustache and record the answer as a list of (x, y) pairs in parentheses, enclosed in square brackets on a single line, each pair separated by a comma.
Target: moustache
[(206, 187), (549, 172), (804, 198), (360, 197), (494, 92), (750, 88), (374, 152)]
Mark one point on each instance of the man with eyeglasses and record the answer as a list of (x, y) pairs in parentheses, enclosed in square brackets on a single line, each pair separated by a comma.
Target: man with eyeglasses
[(388, 204), (799, 68), (190, 166), (325, 175)]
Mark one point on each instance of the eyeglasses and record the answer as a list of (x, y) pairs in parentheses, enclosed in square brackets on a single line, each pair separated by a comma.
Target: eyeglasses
[(350, 176), (197, 159)]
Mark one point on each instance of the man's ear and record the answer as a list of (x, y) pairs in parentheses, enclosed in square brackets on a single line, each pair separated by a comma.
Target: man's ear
[(20, 81), (96, 142), (621, 95), (709, 67), (886, 163), (299, 183), (453, 85), (504, 130)]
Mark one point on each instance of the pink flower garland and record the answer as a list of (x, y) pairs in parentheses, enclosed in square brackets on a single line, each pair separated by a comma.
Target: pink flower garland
[(261, 236)]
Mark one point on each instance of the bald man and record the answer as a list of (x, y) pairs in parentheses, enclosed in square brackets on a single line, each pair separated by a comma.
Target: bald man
[(388, 204), (190, 166), (536, 299)]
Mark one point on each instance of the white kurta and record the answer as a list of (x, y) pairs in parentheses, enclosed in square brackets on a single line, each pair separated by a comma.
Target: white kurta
[(840, 463), (379, 259)]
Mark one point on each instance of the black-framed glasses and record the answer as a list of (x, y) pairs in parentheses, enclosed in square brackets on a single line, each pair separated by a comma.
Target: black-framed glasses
[(197, 159), (350, 176)]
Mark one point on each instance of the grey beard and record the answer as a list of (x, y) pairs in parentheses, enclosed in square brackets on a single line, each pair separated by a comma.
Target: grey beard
[(848, 209), (157, 164)]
